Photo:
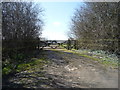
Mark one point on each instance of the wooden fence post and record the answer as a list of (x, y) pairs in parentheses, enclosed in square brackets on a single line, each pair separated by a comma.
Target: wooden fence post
[(69, 44)]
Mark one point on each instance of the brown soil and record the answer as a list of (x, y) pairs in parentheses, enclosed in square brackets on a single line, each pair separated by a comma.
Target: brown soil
[(71, 70), (66, 70)]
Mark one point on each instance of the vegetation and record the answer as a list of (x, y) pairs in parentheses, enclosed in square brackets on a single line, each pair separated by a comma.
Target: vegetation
[(94, 26), (102, 57), (21, 28), (24, 66), (93, 35)]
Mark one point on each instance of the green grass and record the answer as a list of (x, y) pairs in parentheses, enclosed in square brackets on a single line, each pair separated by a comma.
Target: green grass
[(6, 70), (24, 66), (105, 59), (104, 62), (32, 64)]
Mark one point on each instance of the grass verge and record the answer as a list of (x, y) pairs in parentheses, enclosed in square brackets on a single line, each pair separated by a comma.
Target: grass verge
[(105, 59), (24, 66)]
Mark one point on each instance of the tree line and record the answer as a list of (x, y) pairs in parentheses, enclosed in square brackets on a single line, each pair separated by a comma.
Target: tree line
[(95, 26), (21, 27)]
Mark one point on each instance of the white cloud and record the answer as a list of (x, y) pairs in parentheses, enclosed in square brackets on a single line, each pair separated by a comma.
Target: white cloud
[(56, 23), (54, 35)]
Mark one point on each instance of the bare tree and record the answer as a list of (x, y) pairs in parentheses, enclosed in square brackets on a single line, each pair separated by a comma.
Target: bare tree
[(21, 25), (95, 25)]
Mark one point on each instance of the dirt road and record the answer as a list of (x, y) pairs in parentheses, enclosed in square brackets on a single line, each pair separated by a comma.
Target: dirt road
[(66, 70), (71, 70)]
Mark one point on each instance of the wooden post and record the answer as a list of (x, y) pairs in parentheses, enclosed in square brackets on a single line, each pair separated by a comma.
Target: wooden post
[(38, 42), (69, 44)]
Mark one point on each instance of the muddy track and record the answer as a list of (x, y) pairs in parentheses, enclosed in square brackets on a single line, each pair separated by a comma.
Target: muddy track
[(71, 70), (66, 70)]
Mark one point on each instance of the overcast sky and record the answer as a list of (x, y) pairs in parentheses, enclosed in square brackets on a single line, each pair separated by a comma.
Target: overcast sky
[(57, 18)]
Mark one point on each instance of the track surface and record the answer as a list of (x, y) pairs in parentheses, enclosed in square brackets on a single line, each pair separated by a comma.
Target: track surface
[(71, 70), (66, 70)]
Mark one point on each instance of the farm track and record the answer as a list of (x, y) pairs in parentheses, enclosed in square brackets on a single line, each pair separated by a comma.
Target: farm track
[(71, 70), (67, 70)]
